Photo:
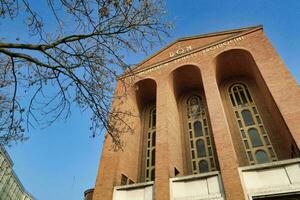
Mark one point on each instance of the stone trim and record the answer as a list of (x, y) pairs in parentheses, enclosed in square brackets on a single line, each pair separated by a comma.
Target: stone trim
[(195, 176), (275, 191), (270, 165), (279, 190), (135, 186)]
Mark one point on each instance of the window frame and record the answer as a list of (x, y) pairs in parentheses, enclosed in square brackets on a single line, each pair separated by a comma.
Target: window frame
[(149, 142), (248, 103), (190, 115)]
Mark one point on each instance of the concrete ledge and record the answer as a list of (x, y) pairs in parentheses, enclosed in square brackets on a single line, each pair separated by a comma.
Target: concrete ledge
[(276, 191), (195, 176), (134, 186), (270, 165), (138, 191), (271, 179)]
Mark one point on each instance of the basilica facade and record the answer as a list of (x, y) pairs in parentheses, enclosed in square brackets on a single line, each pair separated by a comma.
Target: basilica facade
[(214, 116)]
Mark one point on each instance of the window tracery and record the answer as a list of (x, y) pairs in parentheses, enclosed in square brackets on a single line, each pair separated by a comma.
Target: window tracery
[(150, 144), (254, 135), (200, 144)]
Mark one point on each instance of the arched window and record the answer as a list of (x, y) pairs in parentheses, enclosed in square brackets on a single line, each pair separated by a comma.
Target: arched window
[(261, 157), (203, 166), (201, 151), (150, 143), (254, 137), (198, 129), (239, 95), (247, 117), (249, 121), (198, 136)]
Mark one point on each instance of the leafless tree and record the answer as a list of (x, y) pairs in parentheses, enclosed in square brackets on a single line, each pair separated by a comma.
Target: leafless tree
[(76, 63)]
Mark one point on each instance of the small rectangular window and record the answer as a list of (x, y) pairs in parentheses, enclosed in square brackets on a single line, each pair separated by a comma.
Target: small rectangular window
[(250, 155), (258, 119), (240, 124), (208, 141), (153, 139), (262, 130), (192, 144), (206, 131), (194, 165), (209, 151), (212, 163), (243, 133), (271, 152), (254, 110), (153, 158), (246, 144), (266, 140), (154, 120)]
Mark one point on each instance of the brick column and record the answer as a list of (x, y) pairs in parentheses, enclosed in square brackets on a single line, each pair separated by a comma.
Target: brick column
[(220, 130), (115, 163), (164, 134), (105, 180)]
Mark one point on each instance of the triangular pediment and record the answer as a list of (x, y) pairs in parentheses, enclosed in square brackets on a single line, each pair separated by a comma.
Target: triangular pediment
[(186, 44)]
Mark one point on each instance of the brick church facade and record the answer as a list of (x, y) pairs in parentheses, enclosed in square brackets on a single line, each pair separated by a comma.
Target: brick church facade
[(215, 116)]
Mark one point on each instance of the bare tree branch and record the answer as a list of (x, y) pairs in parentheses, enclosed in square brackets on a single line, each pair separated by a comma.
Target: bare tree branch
[(75, 64)]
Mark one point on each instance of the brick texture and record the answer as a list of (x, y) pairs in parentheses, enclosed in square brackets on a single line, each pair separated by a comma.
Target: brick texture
[(246, 56)]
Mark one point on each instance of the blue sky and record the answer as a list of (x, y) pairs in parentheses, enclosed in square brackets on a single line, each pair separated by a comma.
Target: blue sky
[(60, 162)]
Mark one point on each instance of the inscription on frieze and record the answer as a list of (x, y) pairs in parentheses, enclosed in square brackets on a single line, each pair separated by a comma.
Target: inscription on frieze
[(194, 54)]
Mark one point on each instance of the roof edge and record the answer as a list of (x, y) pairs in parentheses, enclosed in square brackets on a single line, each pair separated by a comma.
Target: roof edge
[(218, 33)]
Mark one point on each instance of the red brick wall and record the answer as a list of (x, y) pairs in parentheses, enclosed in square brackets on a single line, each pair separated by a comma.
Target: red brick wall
[(277, 89)]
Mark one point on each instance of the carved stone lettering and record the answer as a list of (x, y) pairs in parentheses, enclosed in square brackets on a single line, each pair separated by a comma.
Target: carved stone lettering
[(181, 50)]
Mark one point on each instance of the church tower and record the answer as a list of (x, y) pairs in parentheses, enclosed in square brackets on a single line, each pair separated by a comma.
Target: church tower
[(214, 116)]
